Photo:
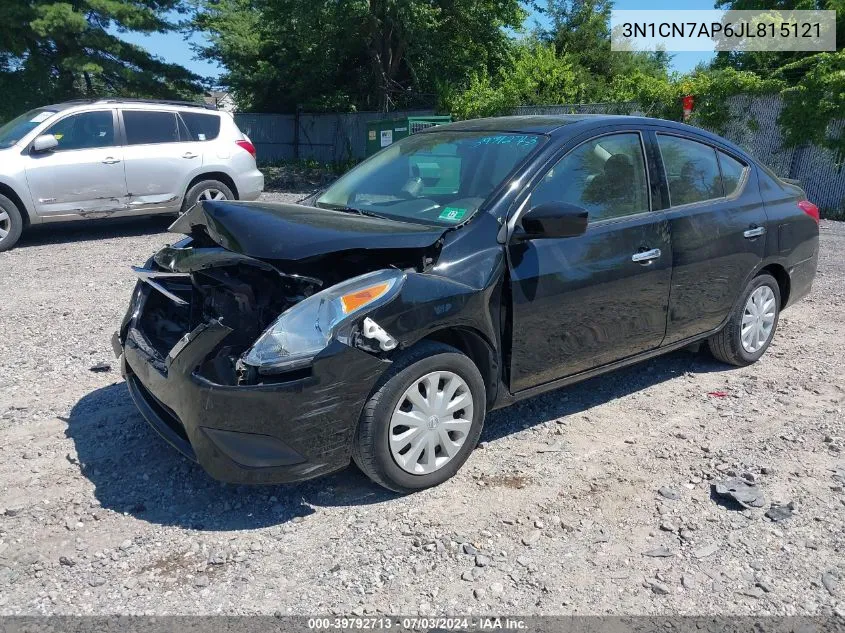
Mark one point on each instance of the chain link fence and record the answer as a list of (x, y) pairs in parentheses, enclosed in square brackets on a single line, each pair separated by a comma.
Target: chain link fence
[(325, 138)]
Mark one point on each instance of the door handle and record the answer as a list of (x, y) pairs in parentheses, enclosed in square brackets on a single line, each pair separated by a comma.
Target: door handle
[(189, 155), (111, 161), (754, 231), (646, 257)]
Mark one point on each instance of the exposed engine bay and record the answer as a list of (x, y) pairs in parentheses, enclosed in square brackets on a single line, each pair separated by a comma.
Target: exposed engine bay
[(243, 266), (247, 295)]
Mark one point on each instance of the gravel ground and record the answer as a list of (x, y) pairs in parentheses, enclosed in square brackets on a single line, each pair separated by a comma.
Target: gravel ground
[(594, 499)]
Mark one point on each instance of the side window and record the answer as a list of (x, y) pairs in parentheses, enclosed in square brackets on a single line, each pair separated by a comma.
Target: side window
[(691, 170), (145, 126), (201, 127), (605, 175), (86, 130), (733, 173)]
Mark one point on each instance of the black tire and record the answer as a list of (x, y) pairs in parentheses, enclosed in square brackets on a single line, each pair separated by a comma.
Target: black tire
[(371, 451), (194, 193), (726, 345), (13, 225)]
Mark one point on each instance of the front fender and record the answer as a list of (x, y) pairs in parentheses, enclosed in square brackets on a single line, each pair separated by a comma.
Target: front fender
[(430, 303), (20, 188)]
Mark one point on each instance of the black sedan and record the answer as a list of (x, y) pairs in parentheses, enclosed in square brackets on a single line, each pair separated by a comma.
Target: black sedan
[(457, 271)]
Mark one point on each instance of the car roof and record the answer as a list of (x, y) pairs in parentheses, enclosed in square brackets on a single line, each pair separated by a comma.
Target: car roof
[(557, 125), (152, 103)]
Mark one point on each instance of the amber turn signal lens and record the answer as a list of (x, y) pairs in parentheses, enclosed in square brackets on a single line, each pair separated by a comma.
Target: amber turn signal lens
[(355, 300)]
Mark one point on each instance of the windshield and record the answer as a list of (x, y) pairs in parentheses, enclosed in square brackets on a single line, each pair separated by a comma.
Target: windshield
[(17, 128), (439, 178)]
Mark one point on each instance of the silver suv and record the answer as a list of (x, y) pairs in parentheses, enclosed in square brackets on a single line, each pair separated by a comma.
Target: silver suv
[(111, 158)]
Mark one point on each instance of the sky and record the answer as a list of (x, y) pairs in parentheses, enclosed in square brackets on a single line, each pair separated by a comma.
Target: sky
[(173, 47)]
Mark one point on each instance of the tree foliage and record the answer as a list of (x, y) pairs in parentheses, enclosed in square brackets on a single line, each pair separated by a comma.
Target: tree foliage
[(815, 101), (534, 74), (569, 61), (812, 84), (355, 54), (765, 63), (54, 50)]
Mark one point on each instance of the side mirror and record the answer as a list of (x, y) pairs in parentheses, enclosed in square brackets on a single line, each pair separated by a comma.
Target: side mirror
[(44, 143), (552, 219)]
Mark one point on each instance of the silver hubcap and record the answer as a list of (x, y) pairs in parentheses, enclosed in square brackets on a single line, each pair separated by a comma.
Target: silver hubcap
[(758, 319), (431, 422), (211, 194), (5, 224)]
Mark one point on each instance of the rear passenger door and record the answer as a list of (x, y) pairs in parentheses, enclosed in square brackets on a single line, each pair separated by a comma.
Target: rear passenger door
[(160, 156), (717, 221)]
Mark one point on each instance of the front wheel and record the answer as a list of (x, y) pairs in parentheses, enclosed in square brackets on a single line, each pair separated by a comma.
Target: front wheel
[(751, 326), (424, 420), (11, 223)]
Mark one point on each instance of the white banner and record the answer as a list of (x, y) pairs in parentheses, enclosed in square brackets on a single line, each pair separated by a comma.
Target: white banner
[(717, 30)]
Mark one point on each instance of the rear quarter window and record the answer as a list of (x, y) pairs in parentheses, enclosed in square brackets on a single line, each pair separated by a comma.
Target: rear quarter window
[(733, 174), (201, 127)]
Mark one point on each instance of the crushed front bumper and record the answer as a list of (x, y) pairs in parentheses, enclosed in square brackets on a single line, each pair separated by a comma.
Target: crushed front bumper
[(270, 433)]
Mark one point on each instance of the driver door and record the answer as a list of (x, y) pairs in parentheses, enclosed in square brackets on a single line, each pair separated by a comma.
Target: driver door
[(84, 173), (586, 301)]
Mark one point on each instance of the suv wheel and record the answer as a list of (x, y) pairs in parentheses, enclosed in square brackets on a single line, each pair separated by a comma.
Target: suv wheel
[(751, 326), (424, 420), (206, 190), (11, 223)]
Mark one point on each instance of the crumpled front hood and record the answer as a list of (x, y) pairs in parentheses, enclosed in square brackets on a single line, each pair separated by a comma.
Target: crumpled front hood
[(292, 231)]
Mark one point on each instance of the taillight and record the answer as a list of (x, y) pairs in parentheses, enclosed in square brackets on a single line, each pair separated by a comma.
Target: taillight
[(247, 146), (810, 209)]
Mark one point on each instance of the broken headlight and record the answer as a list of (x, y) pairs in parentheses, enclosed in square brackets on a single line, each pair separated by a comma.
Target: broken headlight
[(304, 330)]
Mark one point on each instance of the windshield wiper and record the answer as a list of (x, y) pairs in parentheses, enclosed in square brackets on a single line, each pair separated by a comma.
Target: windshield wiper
[(346, 209)]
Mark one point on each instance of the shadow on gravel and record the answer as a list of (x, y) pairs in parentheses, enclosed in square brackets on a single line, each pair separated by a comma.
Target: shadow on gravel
[(84, 230), (590, 393), (135, 471)]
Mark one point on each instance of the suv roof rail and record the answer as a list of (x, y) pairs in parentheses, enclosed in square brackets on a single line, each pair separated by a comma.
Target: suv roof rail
[(175, 102)]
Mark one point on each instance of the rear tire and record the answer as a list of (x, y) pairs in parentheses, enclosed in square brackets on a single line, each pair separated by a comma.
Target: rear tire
[(372, 450), (206, 190), (11, 223), (728, 345)]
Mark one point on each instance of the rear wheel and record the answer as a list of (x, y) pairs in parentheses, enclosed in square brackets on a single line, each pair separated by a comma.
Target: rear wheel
[(11, 223), (751, 327), (206, 190), (424, 420)]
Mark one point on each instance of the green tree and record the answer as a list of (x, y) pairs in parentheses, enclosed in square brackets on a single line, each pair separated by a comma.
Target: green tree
[(812, 84), (355, 54), (54, 50), (767, 62), (535, 74), (581, 30)]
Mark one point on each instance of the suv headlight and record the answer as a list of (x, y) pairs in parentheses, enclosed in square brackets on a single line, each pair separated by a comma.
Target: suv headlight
[(304, 330)]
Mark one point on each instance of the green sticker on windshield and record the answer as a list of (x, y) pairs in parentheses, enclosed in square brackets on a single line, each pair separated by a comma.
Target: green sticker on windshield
[(452, 214)]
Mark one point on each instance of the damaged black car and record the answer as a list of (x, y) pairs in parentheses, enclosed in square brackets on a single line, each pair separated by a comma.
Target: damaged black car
[(457, 271)]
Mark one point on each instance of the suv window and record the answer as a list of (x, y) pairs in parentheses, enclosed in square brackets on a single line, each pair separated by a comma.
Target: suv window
[(17, 128), (86, 130), (605, 175), (146, 126), (733, 173), (202, 127), (691, 170)]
